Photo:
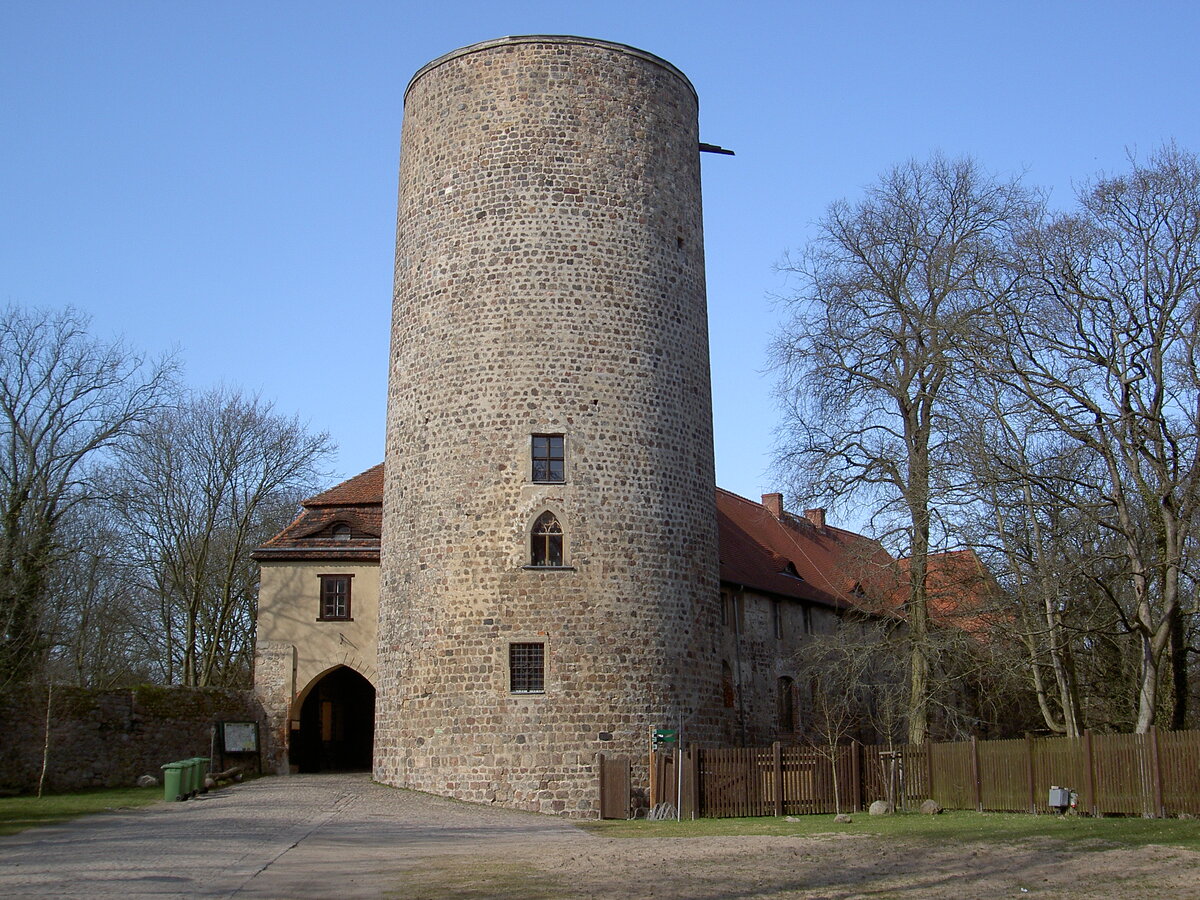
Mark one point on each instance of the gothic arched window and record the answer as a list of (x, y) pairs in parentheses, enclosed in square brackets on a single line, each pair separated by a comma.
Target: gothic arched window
[(546, 541)]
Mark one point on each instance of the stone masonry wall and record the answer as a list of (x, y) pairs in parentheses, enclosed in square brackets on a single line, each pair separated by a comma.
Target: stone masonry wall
[(109, 738), (759, 655), (549, 280)]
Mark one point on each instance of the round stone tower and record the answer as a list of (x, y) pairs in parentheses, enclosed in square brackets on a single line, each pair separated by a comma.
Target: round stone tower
[(549, 566)]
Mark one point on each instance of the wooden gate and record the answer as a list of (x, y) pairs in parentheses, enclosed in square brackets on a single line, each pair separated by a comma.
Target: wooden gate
[(614, 787)]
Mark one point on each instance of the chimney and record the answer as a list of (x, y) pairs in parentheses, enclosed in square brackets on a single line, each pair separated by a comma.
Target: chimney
[(817, 517), (774, 504)]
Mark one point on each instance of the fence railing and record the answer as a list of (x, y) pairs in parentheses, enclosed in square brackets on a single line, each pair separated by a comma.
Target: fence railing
[(1154, 774)]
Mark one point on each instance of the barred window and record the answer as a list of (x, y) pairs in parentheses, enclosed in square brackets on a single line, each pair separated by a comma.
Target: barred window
[(527, 668), (335, 597), (549, 459)]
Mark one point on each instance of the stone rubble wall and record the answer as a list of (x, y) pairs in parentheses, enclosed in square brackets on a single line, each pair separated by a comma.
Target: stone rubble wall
[(549, 280), (109, 738)]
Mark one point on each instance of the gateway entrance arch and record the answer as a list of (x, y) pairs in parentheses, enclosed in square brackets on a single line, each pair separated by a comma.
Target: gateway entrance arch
[(337, 724)]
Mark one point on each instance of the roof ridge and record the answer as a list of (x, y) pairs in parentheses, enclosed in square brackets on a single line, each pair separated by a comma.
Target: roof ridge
[(329, 496)]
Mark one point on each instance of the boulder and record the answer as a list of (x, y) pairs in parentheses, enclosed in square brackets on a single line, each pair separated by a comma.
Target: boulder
[(842, 819), (881, 808), (147, 781), (930, 808)]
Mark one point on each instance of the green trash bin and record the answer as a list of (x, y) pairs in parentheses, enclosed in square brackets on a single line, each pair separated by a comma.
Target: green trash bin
[(201, 772), (175, 774), (192, 769)]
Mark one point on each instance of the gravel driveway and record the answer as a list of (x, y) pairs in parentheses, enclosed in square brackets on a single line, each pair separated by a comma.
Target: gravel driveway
[(299, 836)]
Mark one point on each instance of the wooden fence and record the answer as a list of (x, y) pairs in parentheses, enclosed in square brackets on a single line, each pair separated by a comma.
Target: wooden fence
[(1154, 775)]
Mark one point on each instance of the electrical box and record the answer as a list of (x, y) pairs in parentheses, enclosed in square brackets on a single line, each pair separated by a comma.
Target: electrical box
[(1060, 798)]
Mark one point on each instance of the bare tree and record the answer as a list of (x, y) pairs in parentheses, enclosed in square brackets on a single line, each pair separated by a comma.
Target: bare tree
[(209, 482), (65, 398), (1103, 346), (853, 682), (1027, 520), (102, 629), (870, 357)]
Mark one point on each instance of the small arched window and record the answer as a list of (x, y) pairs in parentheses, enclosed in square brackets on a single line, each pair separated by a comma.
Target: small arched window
[(341, 531), (546, 541), (787, 705)]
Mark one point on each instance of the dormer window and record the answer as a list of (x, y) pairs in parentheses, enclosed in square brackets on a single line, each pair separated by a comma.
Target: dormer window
[(340, 531)]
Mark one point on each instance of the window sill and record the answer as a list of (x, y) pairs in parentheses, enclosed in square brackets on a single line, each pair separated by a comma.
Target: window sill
[(548, 568), (334, 619)]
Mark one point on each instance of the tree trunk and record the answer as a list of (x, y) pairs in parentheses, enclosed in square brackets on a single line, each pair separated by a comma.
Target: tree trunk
[(1179, 672)]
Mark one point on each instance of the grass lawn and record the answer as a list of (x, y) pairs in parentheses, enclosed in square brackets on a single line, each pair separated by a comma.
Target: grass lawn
[(952, 826), (19, 813)]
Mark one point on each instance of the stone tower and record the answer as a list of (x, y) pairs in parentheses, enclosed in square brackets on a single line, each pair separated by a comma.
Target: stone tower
[(549, 563)]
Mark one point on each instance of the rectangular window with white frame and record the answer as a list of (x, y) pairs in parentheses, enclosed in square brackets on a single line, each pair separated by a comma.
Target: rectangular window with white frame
[(335, 598)]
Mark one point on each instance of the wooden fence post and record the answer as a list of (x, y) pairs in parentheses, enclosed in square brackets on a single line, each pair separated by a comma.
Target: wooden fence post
[(975, 773), (1156, 774), (1029, 771), (928, 768), (856, 750), (694, 772), (1089, 774), (777, 763)]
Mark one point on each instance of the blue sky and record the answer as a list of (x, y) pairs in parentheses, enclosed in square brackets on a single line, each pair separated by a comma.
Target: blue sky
[(221, 176)]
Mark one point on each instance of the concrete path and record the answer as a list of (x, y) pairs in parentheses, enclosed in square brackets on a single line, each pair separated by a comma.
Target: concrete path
[(338, 836)]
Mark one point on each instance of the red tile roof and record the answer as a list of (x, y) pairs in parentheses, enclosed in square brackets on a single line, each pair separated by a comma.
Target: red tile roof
[(361, 490), (959, 590), (356, 502), (793, 557)]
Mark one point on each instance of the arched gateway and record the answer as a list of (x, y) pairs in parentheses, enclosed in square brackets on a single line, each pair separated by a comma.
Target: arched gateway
[(337, 724)]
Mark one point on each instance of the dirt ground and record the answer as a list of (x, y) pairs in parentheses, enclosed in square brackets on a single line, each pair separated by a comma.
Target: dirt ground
[(826, 866), (344, 837)]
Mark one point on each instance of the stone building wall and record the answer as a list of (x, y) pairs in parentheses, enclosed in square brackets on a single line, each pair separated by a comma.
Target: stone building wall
[(549, 280), (759, 653), (109, 738)]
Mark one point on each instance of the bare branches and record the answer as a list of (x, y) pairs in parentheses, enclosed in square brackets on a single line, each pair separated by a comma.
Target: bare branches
[(208, 482), (129, 511), (1102, 345), (64, 398), (1034, 379), (870, 360)]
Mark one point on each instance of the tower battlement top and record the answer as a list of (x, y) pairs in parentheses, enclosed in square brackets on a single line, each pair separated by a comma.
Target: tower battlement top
[(546, 39)]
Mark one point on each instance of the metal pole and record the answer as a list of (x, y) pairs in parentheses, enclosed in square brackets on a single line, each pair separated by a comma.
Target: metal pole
[(679, 770)]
